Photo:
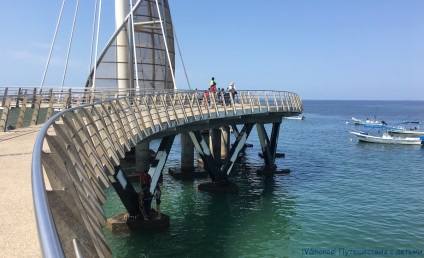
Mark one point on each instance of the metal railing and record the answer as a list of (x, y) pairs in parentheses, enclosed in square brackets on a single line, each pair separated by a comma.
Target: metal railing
[(86, 142)]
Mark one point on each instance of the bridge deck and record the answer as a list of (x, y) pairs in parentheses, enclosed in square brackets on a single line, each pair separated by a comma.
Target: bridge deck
[(18, 231)]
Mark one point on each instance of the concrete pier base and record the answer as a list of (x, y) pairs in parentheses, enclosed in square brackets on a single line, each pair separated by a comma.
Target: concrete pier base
[(277, 155), (265, 170), (178, 173), (200, 163), (229, 187), (123, 223)]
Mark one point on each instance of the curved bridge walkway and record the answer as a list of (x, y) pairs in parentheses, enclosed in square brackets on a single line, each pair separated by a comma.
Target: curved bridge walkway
[(77, 153)]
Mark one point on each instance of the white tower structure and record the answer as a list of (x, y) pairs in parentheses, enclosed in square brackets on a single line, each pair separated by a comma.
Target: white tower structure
[(140, 55), (122, 47)]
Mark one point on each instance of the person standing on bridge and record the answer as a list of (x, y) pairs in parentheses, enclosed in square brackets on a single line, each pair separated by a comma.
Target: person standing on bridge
[(205, 99), (235, 93), (199, 96), (212, 91), (232, 90), (212, 82)]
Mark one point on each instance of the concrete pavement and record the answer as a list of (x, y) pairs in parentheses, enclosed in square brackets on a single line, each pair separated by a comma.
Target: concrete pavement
[(18, 231)]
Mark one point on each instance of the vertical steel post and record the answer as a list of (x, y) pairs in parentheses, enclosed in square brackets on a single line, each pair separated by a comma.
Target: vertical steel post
[(5, 114), (4, 96), (20, 122)]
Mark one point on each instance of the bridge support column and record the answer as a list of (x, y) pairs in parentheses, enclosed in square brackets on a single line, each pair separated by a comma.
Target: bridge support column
[(205, 135), (269, 146), (215, 144), (210, 164), (187, 153), (142, 157), (187, 169), (238, 145), (217, 171), (225, 141)]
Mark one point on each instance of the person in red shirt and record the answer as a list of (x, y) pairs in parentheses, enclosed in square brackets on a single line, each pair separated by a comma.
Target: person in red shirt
[(145, 179)]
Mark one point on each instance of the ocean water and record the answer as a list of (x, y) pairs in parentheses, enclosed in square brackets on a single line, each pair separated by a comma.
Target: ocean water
[(342, 197)]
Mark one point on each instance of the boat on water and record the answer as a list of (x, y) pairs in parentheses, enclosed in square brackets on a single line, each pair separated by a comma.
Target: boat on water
[(294, 117), (387, 138), (410, 128), (373, 121)]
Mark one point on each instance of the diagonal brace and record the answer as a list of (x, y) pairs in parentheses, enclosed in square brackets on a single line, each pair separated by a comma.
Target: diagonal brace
[(209, 162), (269, 147), (236, 148), (159, 162)]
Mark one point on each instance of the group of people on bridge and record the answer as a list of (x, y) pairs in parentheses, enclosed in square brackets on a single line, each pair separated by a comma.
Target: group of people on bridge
[(220, 95)]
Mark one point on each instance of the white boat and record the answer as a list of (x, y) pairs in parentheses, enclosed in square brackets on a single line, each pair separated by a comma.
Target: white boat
[(367, 121), (387, 138), (294, 117), (409, 128)]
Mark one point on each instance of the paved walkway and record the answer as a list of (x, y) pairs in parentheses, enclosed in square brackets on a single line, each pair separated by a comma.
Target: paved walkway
[(18, 231)]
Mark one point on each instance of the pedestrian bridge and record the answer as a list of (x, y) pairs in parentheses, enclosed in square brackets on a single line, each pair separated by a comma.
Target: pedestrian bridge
[(78, 150)]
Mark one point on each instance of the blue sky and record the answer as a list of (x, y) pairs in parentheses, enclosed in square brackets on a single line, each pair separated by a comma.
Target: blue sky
[(320, 49)]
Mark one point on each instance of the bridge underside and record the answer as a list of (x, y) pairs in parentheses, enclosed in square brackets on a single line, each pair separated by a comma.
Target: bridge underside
[(217, 170), (216, 166)]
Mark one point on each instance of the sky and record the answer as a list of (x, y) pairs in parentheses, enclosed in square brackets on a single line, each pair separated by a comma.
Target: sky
[(319, 49)]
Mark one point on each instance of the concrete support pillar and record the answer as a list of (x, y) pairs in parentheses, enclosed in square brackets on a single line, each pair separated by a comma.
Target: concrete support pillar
[(187, 169), (187, 153), (142, 157), (205, 137), (215, 144), (225, 141)]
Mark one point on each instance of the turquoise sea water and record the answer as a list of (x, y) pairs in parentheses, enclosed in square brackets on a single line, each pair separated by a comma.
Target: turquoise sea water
[(342, 198)]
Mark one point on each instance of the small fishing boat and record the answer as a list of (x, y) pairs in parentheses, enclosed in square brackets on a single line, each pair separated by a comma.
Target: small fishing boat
[(373, 121), (294, 117), (410, 128), (387, 138)]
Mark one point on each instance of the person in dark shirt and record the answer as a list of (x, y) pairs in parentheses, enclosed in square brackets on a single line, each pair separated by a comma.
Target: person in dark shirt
[(147, 202), (157, 196)]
